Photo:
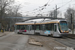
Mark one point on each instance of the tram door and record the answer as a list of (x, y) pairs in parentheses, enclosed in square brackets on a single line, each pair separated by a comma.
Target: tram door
[(28, 29), (37, 29), (55, 30), (42, 29), (31, 27)]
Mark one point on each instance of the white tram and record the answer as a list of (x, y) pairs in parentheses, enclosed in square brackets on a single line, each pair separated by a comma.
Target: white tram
[(56, 28)]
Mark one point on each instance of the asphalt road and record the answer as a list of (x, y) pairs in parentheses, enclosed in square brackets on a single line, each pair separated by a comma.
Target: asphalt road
[(14, 41)]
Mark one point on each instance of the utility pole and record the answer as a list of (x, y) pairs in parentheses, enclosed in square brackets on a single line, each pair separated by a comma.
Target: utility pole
[(55, 12), (51, 14), (72, 23)]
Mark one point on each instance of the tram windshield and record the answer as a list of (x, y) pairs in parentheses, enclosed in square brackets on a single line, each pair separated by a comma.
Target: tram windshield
[(63, 26)]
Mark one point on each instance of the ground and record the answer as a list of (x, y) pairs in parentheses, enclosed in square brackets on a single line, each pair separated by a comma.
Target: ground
[(13, 41)]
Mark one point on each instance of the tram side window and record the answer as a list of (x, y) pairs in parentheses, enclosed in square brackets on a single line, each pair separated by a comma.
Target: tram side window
[(55, 28), (26, 27), (37, 27), (44, 27), (22, 27), (18, 27), (47, 26), (52, 26), (30, 27), (41, 27), (33, 27)]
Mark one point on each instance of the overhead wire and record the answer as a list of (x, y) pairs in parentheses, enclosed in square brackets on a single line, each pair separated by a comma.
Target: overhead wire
[(42, 7), (64, 4), (46, 4)]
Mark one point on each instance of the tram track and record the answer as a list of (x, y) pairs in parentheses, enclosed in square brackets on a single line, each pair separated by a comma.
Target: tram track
[(66, 41), (56, 44), (49, 42)]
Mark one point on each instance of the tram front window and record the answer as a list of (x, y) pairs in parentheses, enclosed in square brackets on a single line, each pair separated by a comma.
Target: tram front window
[(63, 26)]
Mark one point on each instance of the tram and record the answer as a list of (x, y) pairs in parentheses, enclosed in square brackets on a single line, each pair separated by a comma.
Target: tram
[(56, 28)]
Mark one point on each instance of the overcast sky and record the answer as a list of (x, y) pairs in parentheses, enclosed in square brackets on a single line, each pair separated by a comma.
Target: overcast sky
[(31, 7)]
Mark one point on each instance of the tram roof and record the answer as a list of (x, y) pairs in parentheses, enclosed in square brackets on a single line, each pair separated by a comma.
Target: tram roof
[(42, 21)]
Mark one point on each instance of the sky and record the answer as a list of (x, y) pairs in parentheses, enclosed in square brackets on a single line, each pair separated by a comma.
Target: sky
[(32, 7)]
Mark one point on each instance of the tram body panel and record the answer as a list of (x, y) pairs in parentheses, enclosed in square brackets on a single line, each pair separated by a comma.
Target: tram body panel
[(31, 32), (57, 29)]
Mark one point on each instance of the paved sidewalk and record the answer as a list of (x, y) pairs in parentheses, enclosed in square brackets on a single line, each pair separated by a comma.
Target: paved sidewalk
[(3, 34)]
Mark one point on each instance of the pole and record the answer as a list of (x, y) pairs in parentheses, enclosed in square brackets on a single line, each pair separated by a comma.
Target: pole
[(55, 12), (72, 24), (34, 27)]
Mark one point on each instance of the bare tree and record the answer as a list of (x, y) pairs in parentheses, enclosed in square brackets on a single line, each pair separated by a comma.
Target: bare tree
[(7, 9), (68, 16), (13, 11), (3, 5), (52, 13)]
